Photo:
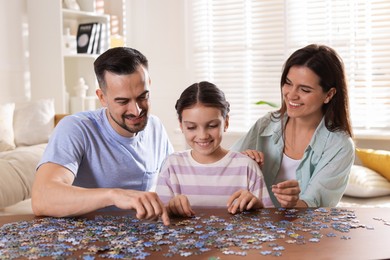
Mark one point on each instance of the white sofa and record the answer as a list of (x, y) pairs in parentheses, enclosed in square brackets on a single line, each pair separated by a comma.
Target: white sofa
[(17, 173), (24, 131)]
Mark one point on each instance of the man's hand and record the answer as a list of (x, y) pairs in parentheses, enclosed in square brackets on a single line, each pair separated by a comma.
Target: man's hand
[(287, 193), (243, 200), (255, 155), (180, 206), (147, 204)]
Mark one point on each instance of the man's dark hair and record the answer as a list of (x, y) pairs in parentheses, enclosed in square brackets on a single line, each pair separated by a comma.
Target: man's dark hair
[(120, 61)]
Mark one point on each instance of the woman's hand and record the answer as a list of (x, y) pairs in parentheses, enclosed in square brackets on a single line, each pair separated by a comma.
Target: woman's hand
[(243, 200), (255, 155), (180, 206), (287, 193)]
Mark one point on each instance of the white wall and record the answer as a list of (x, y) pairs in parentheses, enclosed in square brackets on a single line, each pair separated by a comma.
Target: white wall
[(14, 75), (158, 29)]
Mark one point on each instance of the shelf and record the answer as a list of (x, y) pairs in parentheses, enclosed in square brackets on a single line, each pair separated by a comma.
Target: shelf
[(81, 55), (55, 67), (73, 14)]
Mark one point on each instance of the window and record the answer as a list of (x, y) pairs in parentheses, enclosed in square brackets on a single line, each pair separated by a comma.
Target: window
[(241, 46)]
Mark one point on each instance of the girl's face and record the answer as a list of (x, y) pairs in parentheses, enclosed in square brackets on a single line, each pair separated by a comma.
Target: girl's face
[(203, 128), (303, 95)]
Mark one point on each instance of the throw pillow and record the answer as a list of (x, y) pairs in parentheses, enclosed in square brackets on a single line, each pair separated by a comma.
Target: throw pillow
[(377, 160), (366, 183), (6, 127), (33, 122)]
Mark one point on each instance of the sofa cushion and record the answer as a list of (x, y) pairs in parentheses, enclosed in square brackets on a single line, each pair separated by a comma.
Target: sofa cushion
[(6, 127), (17, 169), (377, 160), (366, 183), (33, 122)]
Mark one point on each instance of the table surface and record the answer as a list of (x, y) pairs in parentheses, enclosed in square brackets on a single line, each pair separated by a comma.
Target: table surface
[(324, 233)]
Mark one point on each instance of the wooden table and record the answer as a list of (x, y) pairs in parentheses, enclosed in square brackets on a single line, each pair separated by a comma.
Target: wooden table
[(298, 234)]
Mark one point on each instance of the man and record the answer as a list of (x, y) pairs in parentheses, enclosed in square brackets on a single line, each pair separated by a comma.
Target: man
[(109, 157)]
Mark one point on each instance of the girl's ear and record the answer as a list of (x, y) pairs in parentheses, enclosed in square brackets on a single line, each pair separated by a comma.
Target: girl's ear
[(181, 126), (330, 95), (226, 123)]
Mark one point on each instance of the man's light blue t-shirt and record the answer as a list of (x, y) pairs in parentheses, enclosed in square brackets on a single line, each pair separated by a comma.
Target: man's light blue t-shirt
[(87, 145)]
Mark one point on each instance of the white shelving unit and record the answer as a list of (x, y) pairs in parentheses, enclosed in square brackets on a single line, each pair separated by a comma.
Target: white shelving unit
[(54, 71)]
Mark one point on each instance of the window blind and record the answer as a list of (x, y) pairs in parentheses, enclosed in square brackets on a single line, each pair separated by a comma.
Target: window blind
[(241, 46)]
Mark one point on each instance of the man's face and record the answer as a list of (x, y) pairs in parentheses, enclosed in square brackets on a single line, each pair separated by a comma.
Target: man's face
[(127, 101)]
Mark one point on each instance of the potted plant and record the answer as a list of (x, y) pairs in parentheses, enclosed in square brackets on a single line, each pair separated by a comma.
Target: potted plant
[(262, 102)]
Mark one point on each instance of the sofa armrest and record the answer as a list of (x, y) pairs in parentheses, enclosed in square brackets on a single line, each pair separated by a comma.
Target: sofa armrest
[(58, 117)]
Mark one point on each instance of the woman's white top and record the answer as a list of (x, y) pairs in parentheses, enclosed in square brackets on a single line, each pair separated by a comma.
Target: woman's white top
[(288, 169)]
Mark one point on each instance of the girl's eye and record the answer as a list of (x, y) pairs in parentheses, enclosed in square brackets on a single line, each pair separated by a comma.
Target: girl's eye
[(213, 126), (306, 90), (190, 128)]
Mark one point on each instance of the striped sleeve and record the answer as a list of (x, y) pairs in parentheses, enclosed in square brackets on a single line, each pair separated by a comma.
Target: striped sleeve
[(256, 184), (164, 186)]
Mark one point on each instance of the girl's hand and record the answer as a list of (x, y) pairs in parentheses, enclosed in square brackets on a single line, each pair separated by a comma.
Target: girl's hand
[(243, 200), (287, 193), (255, 155), (180, 206)]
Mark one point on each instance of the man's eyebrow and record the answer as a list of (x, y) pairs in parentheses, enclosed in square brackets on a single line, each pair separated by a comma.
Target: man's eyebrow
[(144, 93), (125, 98), (121, 98)]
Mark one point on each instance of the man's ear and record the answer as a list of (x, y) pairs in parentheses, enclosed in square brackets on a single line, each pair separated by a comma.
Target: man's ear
[(330, 95), (101, 97)]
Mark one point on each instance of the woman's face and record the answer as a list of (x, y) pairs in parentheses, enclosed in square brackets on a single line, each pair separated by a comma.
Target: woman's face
[(303, 95), (203, 128)]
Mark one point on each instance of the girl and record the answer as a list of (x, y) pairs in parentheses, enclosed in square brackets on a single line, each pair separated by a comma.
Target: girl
[(208, 175)]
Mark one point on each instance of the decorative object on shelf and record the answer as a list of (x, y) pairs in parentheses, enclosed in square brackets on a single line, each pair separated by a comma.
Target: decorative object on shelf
[(71, 4), (97, 39), (89, 38), (81, 88), (85, 37), (69, 41), (69, 67), (79, 104), (116, 40), (80, 101), (88, 5)]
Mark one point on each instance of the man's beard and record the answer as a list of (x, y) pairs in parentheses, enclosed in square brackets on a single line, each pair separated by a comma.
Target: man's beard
[(137, 128)]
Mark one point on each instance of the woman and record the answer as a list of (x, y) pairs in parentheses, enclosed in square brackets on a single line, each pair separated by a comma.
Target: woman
[(307, 143)]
